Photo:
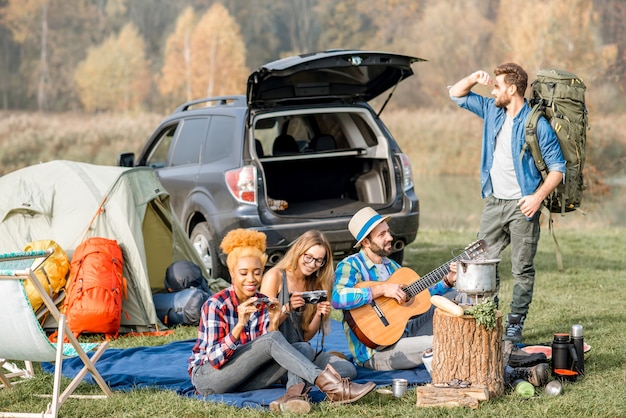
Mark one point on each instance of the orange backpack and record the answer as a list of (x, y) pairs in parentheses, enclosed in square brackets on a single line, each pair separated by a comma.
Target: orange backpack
[(95, 288)]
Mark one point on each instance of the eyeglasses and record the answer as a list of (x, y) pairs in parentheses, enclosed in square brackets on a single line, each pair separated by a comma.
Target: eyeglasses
[(308, 259)]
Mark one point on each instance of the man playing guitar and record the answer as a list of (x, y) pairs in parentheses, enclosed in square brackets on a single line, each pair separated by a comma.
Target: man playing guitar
[(352, 289)]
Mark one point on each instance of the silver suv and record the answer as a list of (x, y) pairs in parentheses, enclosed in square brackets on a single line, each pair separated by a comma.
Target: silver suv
[(302, 150)]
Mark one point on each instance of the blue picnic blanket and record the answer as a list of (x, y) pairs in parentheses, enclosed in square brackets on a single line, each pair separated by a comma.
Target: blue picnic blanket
[(165, 367)]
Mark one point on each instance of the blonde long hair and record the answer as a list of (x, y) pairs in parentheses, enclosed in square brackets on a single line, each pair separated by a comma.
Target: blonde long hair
[(322, 279)]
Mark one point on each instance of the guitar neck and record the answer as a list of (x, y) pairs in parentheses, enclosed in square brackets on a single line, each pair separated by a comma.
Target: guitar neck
[(433, 277)]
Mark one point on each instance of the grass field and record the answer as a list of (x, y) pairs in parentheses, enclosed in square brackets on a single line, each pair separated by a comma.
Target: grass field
[(590, 291), (443, 149)]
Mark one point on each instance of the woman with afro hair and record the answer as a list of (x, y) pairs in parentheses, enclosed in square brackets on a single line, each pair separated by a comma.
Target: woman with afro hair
[(239, 347)]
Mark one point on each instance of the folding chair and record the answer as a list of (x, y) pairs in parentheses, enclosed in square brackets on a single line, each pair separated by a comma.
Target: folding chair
[(22, 337)]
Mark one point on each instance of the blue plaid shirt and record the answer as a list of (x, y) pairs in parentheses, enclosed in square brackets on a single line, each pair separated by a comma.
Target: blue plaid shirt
[(215, 343), (352, 270)]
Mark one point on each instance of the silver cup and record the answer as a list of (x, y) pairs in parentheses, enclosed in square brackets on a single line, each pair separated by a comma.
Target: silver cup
[(398, 387)]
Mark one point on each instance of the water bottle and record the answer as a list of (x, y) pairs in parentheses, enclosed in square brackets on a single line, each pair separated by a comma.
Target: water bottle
[(579, 346), (561, 354)]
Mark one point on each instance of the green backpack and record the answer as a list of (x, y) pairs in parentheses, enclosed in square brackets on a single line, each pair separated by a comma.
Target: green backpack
[(559, 96)]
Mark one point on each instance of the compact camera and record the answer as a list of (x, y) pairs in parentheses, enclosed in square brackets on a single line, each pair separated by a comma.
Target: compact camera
[(315, 296), (264, 300)]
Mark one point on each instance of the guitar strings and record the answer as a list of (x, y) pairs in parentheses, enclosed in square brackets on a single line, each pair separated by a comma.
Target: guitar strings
[(422, 284)]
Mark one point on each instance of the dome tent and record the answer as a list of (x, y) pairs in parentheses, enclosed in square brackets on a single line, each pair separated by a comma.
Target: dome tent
[(69, 201)]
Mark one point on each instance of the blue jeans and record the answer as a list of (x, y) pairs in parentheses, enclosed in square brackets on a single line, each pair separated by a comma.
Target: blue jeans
[(503, 223), (256, 365), (344, 367)]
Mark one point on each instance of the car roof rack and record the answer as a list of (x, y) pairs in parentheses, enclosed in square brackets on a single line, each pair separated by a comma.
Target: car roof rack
[(213, 102)]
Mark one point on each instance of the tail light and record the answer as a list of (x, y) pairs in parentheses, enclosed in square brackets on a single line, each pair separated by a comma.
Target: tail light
[(242, 184), (407, 172)]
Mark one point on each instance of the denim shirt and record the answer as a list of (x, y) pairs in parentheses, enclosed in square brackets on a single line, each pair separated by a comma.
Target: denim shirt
[(526, 172)]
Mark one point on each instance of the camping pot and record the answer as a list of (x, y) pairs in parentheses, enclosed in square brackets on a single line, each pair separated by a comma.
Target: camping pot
[(476, 276)]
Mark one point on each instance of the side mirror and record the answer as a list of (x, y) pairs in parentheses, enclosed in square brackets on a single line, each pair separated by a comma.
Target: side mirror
[(126, 159)]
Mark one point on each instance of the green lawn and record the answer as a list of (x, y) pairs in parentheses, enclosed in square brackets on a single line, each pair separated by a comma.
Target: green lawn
[(590, 291)]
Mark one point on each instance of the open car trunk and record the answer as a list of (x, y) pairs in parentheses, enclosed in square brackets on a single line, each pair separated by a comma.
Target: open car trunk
[(324, 163), (327, 185)]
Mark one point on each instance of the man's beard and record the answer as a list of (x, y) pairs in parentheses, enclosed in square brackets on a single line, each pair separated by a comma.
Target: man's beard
[(503, 103), (379, 251)]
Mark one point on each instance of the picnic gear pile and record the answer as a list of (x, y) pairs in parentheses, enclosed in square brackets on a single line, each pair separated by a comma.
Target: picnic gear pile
[(22, 338), (69, 203), (187, 290)]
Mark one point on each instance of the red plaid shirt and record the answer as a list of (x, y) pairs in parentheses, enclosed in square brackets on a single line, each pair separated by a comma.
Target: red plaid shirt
[(216, 344)]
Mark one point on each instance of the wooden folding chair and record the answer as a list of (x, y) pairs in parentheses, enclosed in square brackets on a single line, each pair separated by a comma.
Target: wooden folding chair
[(22, 337)]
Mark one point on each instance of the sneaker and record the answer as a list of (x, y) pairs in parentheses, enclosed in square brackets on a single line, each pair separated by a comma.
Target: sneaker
[(514, 325), (519, 358), (515, 357), (536, 375)]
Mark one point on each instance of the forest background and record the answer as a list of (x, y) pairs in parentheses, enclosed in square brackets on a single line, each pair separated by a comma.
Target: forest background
[(87, 79)]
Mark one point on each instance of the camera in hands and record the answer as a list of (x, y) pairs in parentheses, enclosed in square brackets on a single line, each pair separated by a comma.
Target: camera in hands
[(315, 296), (264, 301)]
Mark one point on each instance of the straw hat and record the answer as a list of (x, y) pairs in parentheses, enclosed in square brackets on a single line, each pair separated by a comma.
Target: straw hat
[(363, 222)]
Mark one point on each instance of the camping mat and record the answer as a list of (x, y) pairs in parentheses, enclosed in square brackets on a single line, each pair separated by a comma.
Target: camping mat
[(165, 367)]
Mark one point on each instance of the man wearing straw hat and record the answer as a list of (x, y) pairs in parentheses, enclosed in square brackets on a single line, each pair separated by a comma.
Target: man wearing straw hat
[(372, 263)]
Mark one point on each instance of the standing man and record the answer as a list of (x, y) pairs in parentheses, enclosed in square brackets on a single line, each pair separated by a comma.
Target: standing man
[(371, 263), (510, 182)]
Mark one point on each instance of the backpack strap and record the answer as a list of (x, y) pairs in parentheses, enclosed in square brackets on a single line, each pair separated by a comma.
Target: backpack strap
[(532, 143), (557, 247)]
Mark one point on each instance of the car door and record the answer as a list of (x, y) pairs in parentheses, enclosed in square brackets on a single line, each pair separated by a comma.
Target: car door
[(178, 172)]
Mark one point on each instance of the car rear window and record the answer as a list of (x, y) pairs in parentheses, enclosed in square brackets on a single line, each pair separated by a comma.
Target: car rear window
[(189, 142), (219, 142)]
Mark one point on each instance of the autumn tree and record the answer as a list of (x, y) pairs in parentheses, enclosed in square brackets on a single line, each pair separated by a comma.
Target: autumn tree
[(175, 79), (26, 19), (217, 55), (454, 38), (259, 29), (52, 36), (549, 34), (345, 24), (114, 76)]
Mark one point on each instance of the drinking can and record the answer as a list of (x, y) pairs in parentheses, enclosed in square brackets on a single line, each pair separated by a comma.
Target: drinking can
[(398, 387)]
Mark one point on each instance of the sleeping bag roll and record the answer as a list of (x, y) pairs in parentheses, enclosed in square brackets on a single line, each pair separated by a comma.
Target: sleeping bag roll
[(184, 274), (180, 308)]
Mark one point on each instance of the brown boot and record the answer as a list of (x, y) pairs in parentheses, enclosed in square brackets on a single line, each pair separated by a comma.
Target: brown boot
[(295, 400), (341, 390)]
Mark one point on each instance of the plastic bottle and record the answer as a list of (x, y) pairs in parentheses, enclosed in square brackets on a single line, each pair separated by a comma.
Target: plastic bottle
[(579, 346)]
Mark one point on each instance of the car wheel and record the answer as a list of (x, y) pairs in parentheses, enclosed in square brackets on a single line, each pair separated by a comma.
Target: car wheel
[(398, 256), (205, 245)]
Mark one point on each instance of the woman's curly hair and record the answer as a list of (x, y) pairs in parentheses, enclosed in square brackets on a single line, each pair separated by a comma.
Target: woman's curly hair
[(244, 243)]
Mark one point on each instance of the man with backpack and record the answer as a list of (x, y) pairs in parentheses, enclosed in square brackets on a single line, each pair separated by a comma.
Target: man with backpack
[(511, 184)]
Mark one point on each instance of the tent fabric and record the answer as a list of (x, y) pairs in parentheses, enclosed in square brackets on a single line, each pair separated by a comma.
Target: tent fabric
[(165, 367), (68, 201)]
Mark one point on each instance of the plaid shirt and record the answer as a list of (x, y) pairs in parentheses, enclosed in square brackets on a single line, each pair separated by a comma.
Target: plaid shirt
[(352, 270), (216, 344)]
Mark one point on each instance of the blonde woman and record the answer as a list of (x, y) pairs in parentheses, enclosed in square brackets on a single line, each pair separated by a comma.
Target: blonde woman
[(307, 266), (238, 347)]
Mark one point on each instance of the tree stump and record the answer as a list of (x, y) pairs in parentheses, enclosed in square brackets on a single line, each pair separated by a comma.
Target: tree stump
[(469, 352)]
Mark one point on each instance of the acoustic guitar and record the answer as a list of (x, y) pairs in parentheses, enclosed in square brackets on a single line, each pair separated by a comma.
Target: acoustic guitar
[(381, 323)]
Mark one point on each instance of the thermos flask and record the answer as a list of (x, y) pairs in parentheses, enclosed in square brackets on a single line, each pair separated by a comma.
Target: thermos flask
[(579, 346), (562, 350)]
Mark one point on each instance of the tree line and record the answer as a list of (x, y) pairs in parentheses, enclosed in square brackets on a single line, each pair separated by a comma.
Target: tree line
[(151, 55)]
